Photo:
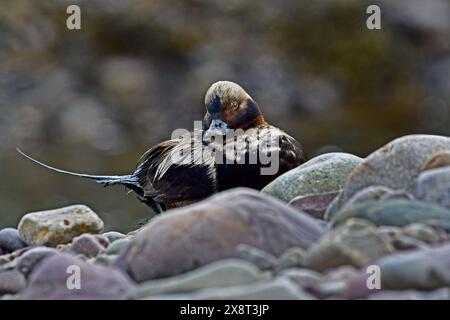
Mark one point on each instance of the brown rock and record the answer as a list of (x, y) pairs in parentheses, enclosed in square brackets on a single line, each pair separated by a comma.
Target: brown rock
[(314, 204), (192, 236), (50, 280), (11, 282)]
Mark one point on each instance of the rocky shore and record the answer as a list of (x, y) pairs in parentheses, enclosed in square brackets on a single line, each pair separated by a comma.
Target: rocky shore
[(336, 227)]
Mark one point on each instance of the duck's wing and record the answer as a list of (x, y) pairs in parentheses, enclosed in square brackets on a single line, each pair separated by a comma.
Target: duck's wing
[(177, 170)]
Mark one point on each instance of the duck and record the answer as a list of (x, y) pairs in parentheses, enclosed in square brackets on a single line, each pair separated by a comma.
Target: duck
[(233, 146)]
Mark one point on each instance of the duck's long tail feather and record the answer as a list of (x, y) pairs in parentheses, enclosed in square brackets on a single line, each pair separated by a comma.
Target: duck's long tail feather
[(127, 180)]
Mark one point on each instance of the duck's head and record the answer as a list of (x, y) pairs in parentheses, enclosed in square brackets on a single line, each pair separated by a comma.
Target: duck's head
[(229, 107)]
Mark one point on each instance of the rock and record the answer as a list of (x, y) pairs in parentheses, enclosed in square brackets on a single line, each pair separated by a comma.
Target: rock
[(334, 283), (89, 245), (117, 246), (10, 240), (260, 258), (113, 236), (396, 165), (11, 282), (30, 259), (304, 278), (58, 226), (278, 289), (106, 259), (192, 236), (425, 269), (50, 278), (439, 294), (322, 174), (292, 258), (354, 243), (314, 204), (394, 213), (223, 273), (428, 233), (434, 186), (414, 236), (438, 160)]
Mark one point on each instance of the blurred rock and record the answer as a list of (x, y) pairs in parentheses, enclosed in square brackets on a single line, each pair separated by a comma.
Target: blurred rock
[(30, 259), (186, 238), (11, 282), (425, 269), (304, 278), (439, 294), (434, 186), (223, 273), (314, 204), (58, 226), (354, 243), (113, 236), (89, 245), (291, 258), (118, 246), (396, 165), (258, 257), (322, 174), (395, 213), (49, 281), (278, 289), (10, 240)]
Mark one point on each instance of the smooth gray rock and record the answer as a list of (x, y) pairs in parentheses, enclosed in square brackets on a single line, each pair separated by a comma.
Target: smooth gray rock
[(10, 240), (396, 165), (325, 173)]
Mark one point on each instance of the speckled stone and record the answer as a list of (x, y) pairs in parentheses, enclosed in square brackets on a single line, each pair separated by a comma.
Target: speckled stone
[(58, 226), (325, 173), (396, 165), (438, 160)]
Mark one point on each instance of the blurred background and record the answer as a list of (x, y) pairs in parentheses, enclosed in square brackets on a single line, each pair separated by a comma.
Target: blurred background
[(93, 100)]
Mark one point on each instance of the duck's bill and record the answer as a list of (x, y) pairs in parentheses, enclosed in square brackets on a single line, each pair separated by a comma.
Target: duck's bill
[(217, 128)]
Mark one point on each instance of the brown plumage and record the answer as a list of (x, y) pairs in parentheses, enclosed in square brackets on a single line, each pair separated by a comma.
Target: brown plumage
[(200, 163)]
